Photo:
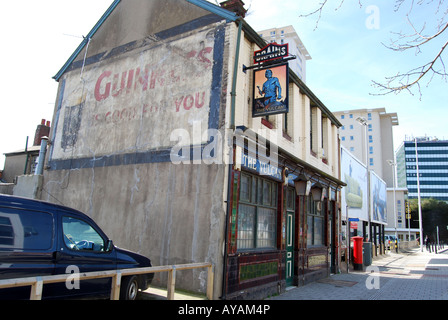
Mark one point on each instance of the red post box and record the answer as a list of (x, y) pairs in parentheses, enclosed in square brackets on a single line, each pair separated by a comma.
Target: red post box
[(357, 252)]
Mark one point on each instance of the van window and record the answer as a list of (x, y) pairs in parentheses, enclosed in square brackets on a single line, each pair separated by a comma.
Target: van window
[(79, 235), (25, 230)]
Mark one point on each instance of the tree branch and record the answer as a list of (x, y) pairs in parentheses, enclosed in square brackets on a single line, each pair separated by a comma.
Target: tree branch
[(415, 40), (321, 8), (405, 79)]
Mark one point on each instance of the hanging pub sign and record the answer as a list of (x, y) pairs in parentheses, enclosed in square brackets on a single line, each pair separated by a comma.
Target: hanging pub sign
[(271, 87)]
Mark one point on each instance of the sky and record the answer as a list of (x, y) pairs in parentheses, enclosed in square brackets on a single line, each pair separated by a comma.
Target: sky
[(39, 36), (348, 50)]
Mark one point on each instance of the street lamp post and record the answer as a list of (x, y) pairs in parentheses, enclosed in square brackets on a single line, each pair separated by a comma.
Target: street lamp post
[(420, 221), (393, 165), (363, 121)]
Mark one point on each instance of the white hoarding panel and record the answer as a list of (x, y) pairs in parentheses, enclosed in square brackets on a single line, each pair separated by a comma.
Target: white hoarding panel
[(354, 195)]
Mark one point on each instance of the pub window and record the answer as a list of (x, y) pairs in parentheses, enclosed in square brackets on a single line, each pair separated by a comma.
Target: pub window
[(257, 213), (311, 129), (315, 222), (285, 122), (290, 199)]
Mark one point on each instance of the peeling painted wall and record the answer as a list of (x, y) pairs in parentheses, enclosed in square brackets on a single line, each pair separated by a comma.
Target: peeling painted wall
[(111, 142), (133, 101)]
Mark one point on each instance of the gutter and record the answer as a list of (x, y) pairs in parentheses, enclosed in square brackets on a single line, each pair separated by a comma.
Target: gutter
[(224, 13), (229, 16)]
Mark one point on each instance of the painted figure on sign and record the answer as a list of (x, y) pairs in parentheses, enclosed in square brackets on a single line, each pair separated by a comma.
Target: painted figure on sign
[(271, 89)]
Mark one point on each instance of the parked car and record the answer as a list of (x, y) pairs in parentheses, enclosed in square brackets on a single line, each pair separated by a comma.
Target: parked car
[(39, 239)]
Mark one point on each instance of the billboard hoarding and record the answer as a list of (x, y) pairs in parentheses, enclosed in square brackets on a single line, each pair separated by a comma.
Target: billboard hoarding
[(355, 195)]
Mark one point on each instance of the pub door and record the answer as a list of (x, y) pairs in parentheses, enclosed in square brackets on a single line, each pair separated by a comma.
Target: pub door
[(290, 226), (289, 249), (332, 235)]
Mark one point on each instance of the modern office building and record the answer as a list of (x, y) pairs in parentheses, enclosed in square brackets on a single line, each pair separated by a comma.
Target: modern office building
[(296, 47), (368, 135), (370, 131), (431, 160)]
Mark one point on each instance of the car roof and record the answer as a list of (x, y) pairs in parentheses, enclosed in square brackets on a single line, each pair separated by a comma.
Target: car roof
[(28, 203)]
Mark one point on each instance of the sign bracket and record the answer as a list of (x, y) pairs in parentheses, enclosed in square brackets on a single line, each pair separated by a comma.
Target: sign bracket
[(268, 63)]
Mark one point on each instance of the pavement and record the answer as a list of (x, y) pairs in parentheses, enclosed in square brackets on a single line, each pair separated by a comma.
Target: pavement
[(407, 275), (410, 275)]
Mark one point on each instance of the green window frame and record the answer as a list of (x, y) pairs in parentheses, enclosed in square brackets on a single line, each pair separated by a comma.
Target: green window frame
[(315, 223), (257, 213)]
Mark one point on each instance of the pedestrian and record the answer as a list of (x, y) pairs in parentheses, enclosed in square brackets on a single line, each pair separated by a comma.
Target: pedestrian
[(428, 243)]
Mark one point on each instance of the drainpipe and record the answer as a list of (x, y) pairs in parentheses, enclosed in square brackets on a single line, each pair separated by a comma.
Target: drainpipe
[(235, 75), (229, 173), (41, 159), (27, 156)]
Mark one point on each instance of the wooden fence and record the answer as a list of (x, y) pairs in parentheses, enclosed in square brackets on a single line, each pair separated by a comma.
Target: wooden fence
[(37, 283)]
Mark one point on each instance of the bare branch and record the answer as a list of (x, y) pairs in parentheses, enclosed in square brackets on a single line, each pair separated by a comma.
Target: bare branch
[(416, 40), (413, 77), (320, 8), (319, 11)]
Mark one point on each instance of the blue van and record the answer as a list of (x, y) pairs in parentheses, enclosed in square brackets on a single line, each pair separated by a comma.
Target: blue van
[(39, 239)]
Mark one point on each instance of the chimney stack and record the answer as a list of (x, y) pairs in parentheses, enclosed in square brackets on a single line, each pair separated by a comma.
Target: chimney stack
[(42, 130), (236, 6)]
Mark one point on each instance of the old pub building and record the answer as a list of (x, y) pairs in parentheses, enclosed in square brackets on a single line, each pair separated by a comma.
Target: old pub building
[(283, 208), (263, 206)]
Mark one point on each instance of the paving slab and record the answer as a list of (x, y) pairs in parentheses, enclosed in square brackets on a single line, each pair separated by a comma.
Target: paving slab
[(410, 275)]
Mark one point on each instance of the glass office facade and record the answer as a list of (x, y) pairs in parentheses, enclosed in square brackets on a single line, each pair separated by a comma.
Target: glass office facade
[(432, 160)]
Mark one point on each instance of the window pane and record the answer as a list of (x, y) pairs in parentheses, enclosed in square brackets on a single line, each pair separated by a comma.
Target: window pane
[(267, 193), (274, 195), (313, 205), (79, 235), (25, 230), (245, 188), (309, 234), (257, 215), (266, 228), (246, 225), (259, 191), (290, 199), (6, 232), (318, 231), (253, 198)]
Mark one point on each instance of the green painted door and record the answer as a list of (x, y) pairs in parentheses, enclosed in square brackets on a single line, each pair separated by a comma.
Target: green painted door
[(289, 248), (290, 205)]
